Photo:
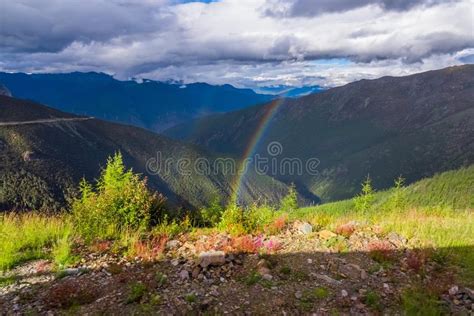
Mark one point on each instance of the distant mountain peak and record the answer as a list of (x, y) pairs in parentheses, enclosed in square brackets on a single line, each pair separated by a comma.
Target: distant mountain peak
[(154, 105)]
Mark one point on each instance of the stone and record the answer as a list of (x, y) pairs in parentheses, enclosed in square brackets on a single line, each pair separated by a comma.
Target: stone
[(303, 227), (262, 263), (267, 277), (327, 279), (184, 275), (196, 271), (326, 234), (173, 244), (310, 261), (344, 293), (174, 262), (353, 271), (263, 271), (298, 294), (211, 258), (396, 240), (72, 271), (453, 290)]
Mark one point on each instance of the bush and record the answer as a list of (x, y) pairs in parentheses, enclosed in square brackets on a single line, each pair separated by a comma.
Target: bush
[(232, 220), (119, 200), (257, 218), (364, 200), (290, 202), (211, 215), (61, 252), (397, 199)]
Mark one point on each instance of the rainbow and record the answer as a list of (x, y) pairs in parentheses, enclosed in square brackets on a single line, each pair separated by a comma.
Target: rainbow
[(249, 151)]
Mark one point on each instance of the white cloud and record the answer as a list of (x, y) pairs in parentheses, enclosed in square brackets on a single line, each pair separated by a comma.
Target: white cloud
[(234, 41)]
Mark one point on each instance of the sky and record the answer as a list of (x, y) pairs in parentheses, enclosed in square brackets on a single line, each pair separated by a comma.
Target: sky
[(246, 43)]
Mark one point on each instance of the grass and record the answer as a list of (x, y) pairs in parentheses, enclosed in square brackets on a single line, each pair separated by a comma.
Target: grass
[(7, 280), (372, 299), (434, 213), (311, 296), (417, 301), (136, 292), (190, 298), (25, 237)]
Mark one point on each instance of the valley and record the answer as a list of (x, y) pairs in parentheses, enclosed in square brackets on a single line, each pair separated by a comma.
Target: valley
[(105, 218)]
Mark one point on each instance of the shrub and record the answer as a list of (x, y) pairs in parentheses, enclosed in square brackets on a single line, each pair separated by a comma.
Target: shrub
[(397, 199), (290, 202), (61, 252), (168, 227), (373, 300), (245, 244), (71, 292), (380, 250), (211, 215), (119, 200), (257, 218), (148, 250), (277, 225), (364, 200), (232, 220), (135, 292)]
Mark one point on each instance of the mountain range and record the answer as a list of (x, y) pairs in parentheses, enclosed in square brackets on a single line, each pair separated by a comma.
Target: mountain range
[(413, 126), (149, 104), (45, 152), (290, 92)]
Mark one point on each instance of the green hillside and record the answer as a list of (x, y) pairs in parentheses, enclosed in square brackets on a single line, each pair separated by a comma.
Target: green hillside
[(413, 126), (41, 164)]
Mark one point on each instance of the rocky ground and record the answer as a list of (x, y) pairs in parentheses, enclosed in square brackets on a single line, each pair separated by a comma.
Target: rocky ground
[(355, 270)]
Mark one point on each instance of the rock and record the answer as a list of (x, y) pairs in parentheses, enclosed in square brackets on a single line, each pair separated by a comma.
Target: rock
[(184, 275), (353, 271), (303, 227), (173, 244), (396, 240), (72, 271), (298, 294), (196, 271), (453, 290), (174, 262), (211, 258), (267, 277), (327, 279), (262, 263), (326, 234), (263, 271), (310, 261), (344, 293)]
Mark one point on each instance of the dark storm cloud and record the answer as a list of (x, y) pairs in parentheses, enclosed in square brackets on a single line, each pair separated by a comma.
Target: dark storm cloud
[(307, 8), (50, 26), (231, 40)]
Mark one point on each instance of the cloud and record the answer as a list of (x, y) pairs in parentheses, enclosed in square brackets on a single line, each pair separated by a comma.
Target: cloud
[(235, 41), (298, 8)]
